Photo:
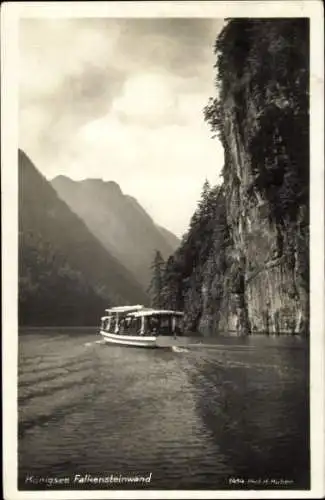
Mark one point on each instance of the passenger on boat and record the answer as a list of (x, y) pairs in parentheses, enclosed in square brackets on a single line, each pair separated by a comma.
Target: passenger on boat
[(112, 328), (126, 326), (153, 325), (121, 327), (134, 326)]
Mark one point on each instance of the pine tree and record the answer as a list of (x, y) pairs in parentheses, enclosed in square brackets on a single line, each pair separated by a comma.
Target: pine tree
[(156, 285), (202, 206), (172, 284), (204, 201)]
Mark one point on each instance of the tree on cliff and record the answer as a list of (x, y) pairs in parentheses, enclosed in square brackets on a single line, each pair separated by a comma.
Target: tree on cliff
[(156, 284), (172, 284), (186, 270)]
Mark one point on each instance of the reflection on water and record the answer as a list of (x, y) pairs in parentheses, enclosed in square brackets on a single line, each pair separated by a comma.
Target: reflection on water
[(228, 408)]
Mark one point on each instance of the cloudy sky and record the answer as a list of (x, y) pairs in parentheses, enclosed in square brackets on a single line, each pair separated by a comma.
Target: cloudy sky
[(122, 100)]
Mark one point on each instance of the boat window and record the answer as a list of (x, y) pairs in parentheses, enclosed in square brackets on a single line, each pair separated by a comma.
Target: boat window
[(122, 326), (178, 324), (126, 326), (165, 325), (112, 326), (134, 327), (152, 325)]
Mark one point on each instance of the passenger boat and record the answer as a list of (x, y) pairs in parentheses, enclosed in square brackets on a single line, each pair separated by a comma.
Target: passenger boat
[(143, 327)]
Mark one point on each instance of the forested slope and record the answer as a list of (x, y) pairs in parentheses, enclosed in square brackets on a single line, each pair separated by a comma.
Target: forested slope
[(66, 277)]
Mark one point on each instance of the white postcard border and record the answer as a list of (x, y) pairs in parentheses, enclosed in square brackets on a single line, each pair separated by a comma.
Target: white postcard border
[(10, 14)]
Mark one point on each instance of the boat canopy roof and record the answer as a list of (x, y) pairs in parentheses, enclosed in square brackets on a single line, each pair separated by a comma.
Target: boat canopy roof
[(125, 309), (155, 312)]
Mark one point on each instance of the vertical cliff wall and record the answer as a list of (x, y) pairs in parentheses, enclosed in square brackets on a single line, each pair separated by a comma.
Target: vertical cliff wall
[(255, 275), (261, 114)]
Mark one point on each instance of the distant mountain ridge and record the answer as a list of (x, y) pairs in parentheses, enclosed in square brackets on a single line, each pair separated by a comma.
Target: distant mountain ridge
[(66, 276), (169, 236), (119, 222)]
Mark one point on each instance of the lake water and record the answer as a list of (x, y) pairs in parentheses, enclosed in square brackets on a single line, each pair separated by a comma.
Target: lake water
[(229, 413)]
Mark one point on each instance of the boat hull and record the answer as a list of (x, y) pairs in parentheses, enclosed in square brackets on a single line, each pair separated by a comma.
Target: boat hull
[(129, 340), (171, 341), (162, 341)]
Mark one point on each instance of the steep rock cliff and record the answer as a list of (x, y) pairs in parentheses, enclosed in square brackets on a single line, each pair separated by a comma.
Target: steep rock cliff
[(255, 278), (263, 124)]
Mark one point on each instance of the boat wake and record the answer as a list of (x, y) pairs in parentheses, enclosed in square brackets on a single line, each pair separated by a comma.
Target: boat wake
[(175, 348), (88, 344)]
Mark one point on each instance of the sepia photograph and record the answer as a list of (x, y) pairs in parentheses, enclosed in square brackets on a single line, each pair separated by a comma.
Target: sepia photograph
[(163, 316)]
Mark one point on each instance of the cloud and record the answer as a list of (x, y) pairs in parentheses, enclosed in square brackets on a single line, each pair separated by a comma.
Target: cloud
[(122, 99), (146, 98), (164, 168)]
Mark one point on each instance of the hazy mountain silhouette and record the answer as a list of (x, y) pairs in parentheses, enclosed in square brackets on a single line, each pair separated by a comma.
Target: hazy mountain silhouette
[(119, 222), (172, 239), (66, 276)]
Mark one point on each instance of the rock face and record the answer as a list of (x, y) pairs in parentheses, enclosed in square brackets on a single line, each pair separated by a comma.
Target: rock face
[(264, 284), (119, 222), (66, 277), (255, 277), (264, 112)]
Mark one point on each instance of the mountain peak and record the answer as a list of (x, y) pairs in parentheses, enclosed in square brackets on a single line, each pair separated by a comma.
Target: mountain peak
[(24, 159), (92, 180), (100, 186), (120, 223), (96, 183), (62, 178), (112, 185)]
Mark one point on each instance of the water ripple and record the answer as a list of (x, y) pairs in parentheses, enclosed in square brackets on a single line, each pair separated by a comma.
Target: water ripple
[(192, 418)]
